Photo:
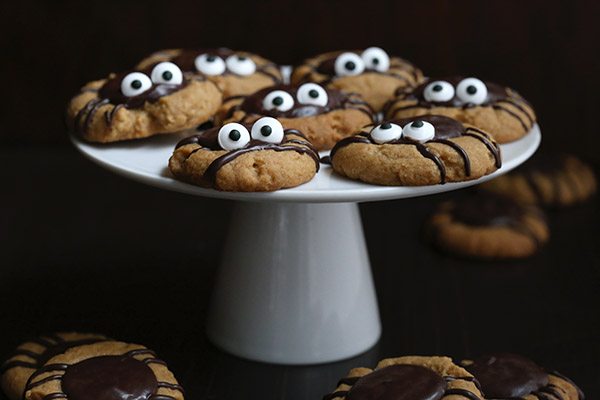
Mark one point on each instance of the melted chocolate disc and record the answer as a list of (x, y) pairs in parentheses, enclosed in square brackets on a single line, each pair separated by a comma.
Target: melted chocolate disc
[(445, 127), (495, 93), (399, 382), (505, 376), (111, 90), (487, 209)]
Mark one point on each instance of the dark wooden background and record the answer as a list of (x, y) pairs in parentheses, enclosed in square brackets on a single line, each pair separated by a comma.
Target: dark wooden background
[(83, 249)]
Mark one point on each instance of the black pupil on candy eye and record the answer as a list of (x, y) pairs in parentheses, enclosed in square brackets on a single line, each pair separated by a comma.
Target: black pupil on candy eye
[(417, 124), (437, 88), (350, 65), (386, 125), (471, 89), (375, 61), (136, 84), (211, 58), (167, 75), (241, 58), (313, 93), (266, 130), (278, 101), (235, 135)]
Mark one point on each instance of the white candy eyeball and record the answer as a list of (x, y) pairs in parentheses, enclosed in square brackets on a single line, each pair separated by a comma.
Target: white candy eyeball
[(349, 64), (311, 93), (419, 130), (278, 100), (240, 65), (472, 90), (267, 129), (233, 136), (438, 92), (386, 132), (210, 64), (135, 83), (376, 58), (168, 73)]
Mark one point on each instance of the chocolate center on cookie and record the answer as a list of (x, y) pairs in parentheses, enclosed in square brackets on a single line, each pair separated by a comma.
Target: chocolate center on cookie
[(488, 210), (109, 378), (504, 376), (399, 382), (495, 93)]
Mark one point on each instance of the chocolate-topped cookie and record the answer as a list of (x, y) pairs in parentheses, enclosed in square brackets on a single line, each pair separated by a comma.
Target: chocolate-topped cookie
[(547, 180), (33, 354), (424, 150), (258, 157), (323, 115), (236, 73), (372, 73), (487, 226), (140, 103), (408, 378), (486, 105), (104, 371), (511, 376)]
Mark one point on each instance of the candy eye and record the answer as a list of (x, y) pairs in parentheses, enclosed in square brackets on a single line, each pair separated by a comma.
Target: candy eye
[(267, 129), (376, 58), (386, 132), (438, 91), (311, 93), (349, 64), (419, 130), (472, 90), (135, 84), (210, 64), (167, 72), (240, 65), (278, 100), (233, 136)]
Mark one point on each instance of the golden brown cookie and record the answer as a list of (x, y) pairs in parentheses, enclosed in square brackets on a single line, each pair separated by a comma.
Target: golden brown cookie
[(493, 108), (30, 356), (488, 226), (236, 73), (424, 150), (371, 73), (104, 370), (510, 376), (324, 116), (246, 158), (547, 180), (142, 103), (410, 377)]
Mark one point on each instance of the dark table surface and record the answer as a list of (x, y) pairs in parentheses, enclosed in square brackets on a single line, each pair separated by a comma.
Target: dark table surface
[(82, 249)]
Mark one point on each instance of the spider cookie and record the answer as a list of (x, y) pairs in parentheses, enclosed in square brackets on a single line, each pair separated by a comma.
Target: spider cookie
[(371, 73), (488, 226), (32, 355), (510, 376), (424, 150), (236, 73), (105, 370), (142, 103), (496, 109), (238, 157), (410, 378), (548, 181), (323, 115)]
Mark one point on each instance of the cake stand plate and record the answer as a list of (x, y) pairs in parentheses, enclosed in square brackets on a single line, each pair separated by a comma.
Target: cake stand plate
[(294, 285)]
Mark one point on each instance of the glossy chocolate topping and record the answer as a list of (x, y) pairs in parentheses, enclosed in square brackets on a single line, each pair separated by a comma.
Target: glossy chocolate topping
[(445, 127), (504, 376), (495, 93), (488, 209), (399, 382)]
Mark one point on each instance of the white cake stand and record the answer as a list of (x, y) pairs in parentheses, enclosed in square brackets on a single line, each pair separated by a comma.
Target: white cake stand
[(295, 284)]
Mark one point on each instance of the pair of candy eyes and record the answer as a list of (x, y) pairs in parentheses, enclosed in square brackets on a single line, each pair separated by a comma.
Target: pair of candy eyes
[(210, 64), (350, 64), (235, 136), (136, 83), (307, 94), (469, 90), (418, 130)]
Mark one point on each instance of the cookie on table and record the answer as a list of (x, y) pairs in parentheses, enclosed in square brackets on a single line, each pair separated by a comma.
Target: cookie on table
[(106, 370), (488, 226), (411, 378), (236, 73), (32, 355), (510, 376), (323, 115), (546, 180), (136, 104), (425, 150), (257, 157), (496, 109), (372, 73)]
